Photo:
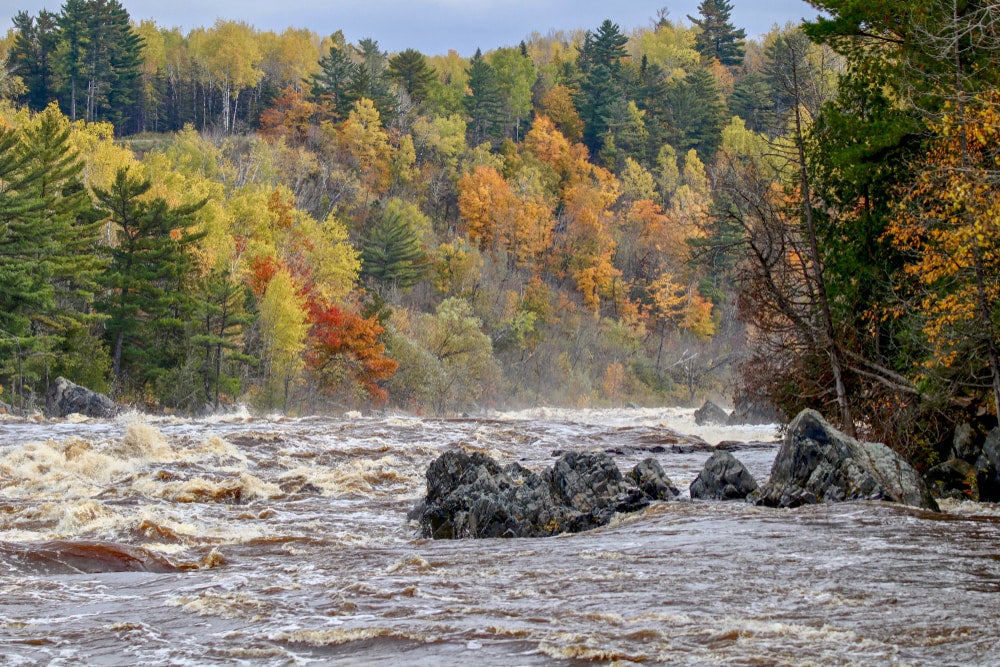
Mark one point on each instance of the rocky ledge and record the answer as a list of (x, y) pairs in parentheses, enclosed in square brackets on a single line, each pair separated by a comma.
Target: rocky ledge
[(472, 495), (817, 463)]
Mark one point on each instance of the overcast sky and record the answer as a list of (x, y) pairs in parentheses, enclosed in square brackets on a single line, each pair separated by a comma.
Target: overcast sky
[(435, 26)]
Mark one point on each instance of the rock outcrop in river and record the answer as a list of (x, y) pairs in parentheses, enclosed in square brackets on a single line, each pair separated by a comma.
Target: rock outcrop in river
[(817, 463), (66, 398), (723, 478), (472, 495)]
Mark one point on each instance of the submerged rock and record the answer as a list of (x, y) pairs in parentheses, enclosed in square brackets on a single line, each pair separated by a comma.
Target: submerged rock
[(710, 413), (723, 478), (817, 463), (65, 398), (471, 495)]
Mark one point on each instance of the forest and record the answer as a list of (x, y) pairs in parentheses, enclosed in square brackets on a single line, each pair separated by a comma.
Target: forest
[(301, 224)]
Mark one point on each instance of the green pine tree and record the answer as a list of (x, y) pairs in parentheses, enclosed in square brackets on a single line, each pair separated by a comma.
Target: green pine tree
[(65, 329), (148, 281), (483, 103), (392, 257), (718, 38), (410, 70)]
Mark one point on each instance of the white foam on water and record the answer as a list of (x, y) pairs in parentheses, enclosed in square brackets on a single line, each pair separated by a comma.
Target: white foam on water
[(677, 419)]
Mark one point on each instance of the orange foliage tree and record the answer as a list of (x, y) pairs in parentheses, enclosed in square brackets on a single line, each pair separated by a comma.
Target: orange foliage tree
[(949, 224), (498, 218), (345, 351)]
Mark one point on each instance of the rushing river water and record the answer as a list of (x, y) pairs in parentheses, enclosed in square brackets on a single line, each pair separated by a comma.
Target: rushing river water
[(243, 541)]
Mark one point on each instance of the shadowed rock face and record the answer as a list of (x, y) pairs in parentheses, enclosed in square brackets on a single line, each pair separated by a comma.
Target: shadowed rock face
[(723, 478), (817, 463), (988, 468), (471, 495), (65, 398)]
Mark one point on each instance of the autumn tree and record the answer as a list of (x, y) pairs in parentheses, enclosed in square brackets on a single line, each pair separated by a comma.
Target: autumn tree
[(284, 326), (231, 57), (948, 228), (346, 354)]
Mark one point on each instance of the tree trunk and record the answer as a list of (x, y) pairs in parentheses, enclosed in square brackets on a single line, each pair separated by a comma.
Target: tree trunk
[(847, 421)]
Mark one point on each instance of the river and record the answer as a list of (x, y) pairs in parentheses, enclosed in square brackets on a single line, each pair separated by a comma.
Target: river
[(237, 540)]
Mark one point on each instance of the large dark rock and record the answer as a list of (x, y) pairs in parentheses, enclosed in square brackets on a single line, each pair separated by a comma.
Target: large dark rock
[(988, 468), (710, 413), (955, 479), (751, 411), (817, 463), (723, 478), (471, 495), (65, 398)]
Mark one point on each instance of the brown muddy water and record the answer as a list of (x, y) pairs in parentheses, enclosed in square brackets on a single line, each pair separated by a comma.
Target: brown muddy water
[(250, 541)]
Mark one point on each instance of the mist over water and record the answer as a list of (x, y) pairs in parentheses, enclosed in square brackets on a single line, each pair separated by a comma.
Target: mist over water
[(240, 540)]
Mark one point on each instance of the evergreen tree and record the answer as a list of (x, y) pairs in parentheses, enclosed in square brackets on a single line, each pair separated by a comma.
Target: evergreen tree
[(149, 295), (25, 268), (218, 323), (752, 100), (392, 257), (335, 84), (483, 103), (410, 70), (718, 37), (124, 85), (33, 56), (65, 328), (99, 56), (603, 80), (74, 46), (370, 79), (697, 113)]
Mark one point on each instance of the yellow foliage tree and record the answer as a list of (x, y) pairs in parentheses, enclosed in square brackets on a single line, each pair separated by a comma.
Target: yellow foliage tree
[(949, 225), (283, 325)]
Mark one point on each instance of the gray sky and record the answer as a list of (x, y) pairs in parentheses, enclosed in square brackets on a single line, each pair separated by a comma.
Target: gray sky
[(435, 26)]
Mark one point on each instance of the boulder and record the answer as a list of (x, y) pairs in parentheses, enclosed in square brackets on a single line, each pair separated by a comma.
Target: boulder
[(472, 495), (955, 478), (710, 413), (652, 481), (817, 463), (963, 444), (66, 398), (988, 468), (723, 478), (753, 412)]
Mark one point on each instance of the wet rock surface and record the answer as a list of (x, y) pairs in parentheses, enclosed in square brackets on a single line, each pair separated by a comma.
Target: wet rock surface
[(817, 463), (473, 496), (723, 478)]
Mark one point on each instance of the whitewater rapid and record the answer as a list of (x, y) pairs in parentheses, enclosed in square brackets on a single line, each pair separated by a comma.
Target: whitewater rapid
[(266, 540)]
